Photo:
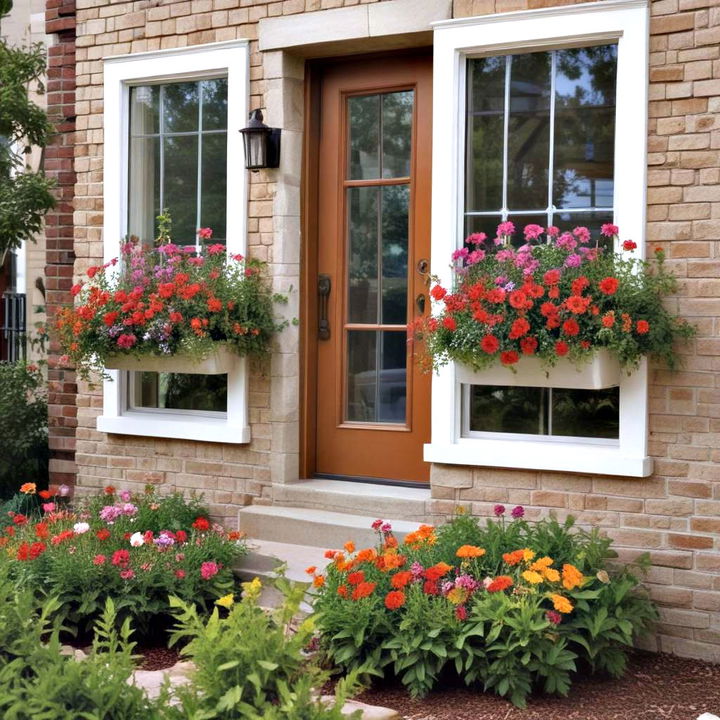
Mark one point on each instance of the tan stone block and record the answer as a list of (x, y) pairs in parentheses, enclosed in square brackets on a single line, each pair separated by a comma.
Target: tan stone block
[(451, 476), (674, 506)]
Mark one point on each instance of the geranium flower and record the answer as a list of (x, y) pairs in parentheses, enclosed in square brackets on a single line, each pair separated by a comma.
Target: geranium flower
[(209, 569), (608, 285), (28, 488), (629, 245), (561, 348), (642, 327), (137, 539), (500, 583), (364, 589), (201, 523), (394, 599), (490, 344), (509, 357)]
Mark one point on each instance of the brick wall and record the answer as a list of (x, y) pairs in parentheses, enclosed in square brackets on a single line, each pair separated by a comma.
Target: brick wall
[(59, 234), (672, 514)]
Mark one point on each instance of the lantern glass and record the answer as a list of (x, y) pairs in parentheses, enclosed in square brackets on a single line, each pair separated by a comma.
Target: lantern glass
[(255, 149)]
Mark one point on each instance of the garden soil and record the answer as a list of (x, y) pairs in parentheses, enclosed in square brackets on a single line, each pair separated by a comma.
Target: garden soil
[(655, 687)]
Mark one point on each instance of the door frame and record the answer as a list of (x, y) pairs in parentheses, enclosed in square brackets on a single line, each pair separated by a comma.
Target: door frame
[(309, 253)]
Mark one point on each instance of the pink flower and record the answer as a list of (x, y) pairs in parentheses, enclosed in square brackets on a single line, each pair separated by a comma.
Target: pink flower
[(582, 234), (518, 511), (216, 249), (553, 231), (205, 233), (554, 617), (126, 340), (532, 232), (386, 527), (48, 507), (127, 574), (197, 261), (608, 230), (99, 560), (125, 495), (476, 238), (376, 525), (505, 228), (238, 257), (499, 510), (209, 570), (180, 574)]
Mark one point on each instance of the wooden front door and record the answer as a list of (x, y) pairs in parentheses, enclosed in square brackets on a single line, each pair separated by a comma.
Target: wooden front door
[(373, 231)]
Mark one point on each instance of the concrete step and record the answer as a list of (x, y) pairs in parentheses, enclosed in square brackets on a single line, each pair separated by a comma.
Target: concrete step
[(403, 503), (316, 528)]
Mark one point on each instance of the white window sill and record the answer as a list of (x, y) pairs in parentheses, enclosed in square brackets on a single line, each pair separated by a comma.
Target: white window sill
[(203, 429), (538, 455)]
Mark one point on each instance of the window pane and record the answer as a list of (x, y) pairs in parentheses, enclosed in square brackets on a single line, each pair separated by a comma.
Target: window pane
[(395, 199), (485, 127), (393, 377), (508, 409), (363, 254), (173, 391), (364, 118), (521, 221), (397, 109), (181, 176), (361, 376), (483, 223), (145, 110), (586, 413), (180, 107), (593, 221), (144, 197), (213, 207), (585, 127), (214, 104), (529, 131)]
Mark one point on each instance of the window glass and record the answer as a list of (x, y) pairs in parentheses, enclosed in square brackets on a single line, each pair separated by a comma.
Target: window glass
[(175, 391)]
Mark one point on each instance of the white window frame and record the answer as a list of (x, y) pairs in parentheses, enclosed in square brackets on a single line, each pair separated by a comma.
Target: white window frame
[(230, 59), (627, 23)]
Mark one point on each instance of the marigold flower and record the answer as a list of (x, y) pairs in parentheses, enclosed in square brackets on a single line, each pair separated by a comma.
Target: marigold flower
[(318, 581), (500, 583), (532, 577), (551, 575), (342, 591), (513, 558), (571, 576), (356, 578), (541, 564), (469, 551), (349, 547), (437, 571), (401, 579), (366, 555), (528, 554), (394, 599), (28, 488), (561, 603), (364, 589), (330, 554)]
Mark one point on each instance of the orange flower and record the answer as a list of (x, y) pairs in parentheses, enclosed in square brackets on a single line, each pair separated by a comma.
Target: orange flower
[(541, 563), (561, 603), (330, 554), (44, 494), (390, 561), (513, 558), (532, 577), (470, 551), (435, 572), (342, 591), (318, 581), (394, 599), (401, 579), (310, 570), (28, 488), (500, 583), (356, 578), (366, 555), (349, 546), (571, 577), (363, 590)]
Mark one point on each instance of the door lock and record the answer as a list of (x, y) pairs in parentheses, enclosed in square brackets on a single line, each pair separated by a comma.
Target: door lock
[(323, 290)]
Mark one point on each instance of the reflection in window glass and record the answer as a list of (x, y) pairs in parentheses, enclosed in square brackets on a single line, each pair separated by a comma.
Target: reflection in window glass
[(545, 411), (178, 158), (540, 139), (175, 391)]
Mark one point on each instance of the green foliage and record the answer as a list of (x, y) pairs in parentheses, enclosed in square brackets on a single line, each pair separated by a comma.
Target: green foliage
[(25, 196), (23, 427), (249, 663), (509, 606)]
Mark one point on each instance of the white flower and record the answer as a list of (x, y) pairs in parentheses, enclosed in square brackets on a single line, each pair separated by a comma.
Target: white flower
[(137, 539), (80, 528)]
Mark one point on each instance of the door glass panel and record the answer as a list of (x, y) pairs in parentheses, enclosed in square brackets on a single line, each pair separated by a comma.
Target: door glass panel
[(395, 201), (363, 207), (392, 380), (362, 376), (396, 133), (364, 115)]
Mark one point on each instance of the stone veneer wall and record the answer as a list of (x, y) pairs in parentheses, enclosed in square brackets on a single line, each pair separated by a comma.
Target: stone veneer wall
[(673, 514)]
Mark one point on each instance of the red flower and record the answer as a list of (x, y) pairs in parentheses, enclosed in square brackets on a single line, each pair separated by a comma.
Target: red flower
[(528, 345), (342, 591), (126, 340), (401, 579), (577, 304), (19, 519), (461, 613), (561, 348), (579, 284), (430, 587), (548, 309), (437, 571), (438, 292), (552, 616), (205, 233), (629, 245), (181, 536), (363, 590), (500, 583), (175, 317), (121, 558), (608, 285), (490, 344), (509, 357), (99, 560), (23, 552), (201, 524), (570, 327), (642, 327), (37, 549), (41, 531), (449, 323), (608, 319), (45, 494), (356, 578), (519, 328), (551, 277), (214, 305), (394, 599), (109, 490), (518, 299)]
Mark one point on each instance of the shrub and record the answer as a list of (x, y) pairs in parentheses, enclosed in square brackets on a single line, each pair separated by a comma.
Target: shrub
[(509, 606), (551, 298), (134, 548), (251, 664), (23, 427)]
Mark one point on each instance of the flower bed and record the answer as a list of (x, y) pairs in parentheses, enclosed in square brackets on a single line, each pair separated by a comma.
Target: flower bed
[(167, 300), (508, 606), (551, 298), (134, 548)]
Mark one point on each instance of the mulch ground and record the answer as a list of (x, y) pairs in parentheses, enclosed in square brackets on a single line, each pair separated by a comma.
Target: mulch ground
[(157, 658), (656, 687)]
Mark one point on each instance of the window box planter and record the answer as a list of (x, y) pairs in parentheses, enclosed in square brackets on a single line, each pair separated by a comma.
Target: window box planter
[(602, 371), (219, 362)]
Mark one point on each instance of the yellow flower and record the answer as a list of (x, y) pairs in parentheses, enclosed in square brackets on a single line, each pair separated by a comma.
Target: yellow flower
[(28, 488), (528, 554), (532, 577), (551, 575), (561, 604), (571, 576), (226, 601), (457, 596), (252, 589), (541, 563)]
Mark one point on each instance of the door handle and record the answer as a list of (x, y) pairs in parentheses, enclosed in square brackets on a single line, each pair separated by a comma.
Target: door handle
[(420, 303), (323, 290)]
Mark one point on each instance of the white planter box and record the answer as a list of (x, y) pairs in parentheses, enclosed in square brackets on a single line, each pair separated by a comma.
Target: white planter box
[(603, 371), (219, 362)]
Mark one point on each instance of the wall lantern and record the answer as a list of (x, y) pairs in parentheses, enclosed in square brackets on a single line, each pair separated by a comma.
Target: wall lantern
[(262, 143)]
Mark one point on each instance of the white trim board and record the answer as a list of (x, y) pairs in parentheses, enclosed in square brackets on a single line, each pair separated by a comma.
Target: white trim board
[(627, 23), (229, 59)]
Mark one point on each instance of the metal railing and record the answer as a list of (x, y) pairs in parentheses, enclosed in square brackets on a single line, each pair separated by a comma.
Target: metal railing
[(12, 330)]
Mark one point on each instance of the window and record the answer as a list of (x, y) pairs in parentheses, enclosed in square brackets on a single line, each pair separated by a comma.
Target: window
[(551, 129), (169, 144)]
